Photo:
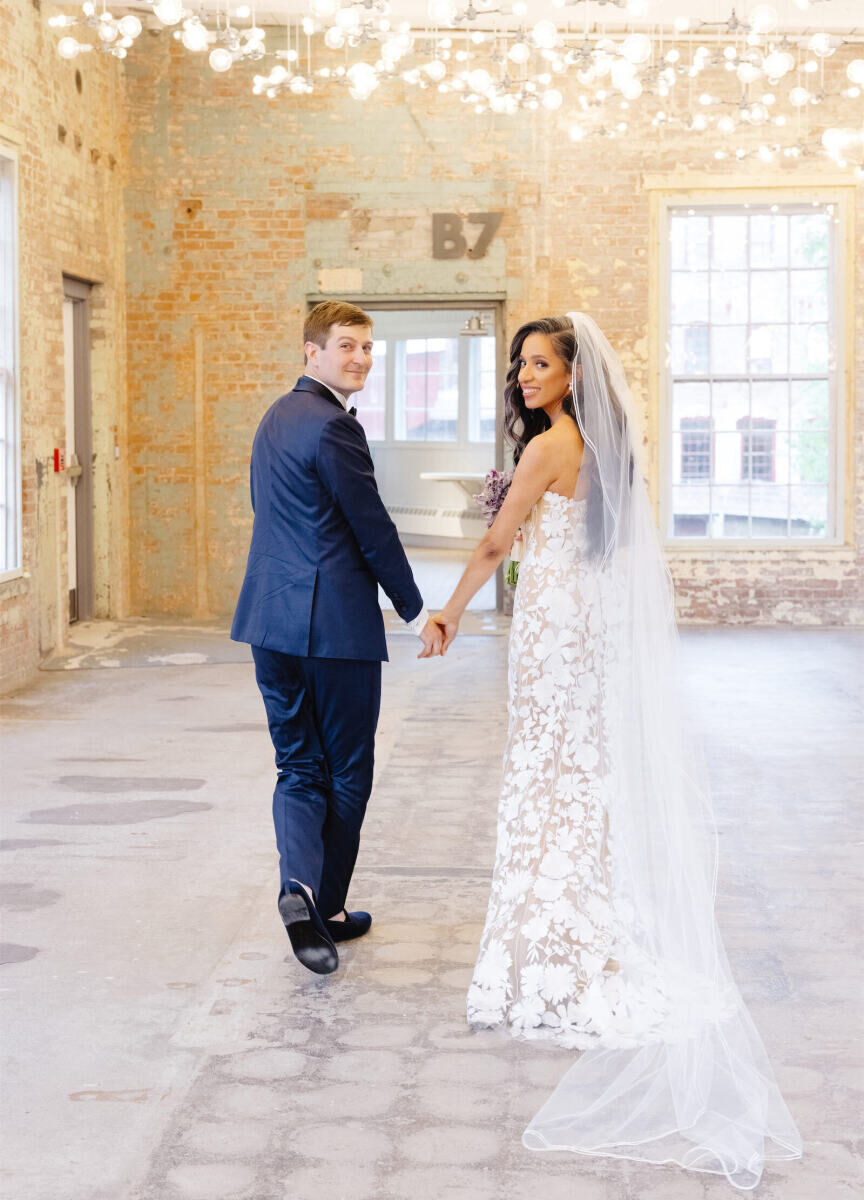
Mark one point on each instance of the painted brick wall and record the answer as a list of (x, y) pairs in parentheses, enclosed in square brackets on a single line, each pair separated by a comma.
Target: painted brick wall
[(240, 208), (208, 216), (71, 162)]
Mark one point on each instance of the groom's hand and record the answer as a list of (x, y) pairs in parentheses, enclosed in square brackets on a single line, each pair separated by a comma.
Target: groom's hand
[(432, 637), (449, 629)]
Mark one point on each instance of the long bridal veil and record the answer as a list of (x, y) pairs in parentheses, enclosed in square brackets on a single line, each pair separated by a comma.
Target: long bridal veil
[(677, 1072)]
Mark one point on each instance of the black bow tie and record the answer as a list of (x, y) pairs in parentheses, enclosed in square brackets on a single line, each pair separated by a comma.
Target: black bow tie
[(352, 412)]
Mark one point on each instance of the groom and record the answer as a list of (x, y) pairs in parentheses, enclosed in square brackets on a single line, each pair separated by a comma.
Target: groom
[(322, 541)]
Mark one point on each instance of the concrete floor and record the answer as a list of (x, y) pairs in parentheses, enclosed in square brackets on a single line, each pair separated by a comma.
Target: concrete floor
[(161, 1046)]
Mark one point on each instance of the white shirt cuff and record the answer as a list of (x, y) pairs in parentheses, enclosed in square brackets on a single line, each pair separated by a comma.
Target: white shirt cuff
[(419, 621)]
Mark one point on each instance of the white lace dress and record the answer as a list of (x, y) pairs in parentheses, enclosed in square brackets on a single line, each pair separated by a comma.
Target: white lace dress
[(554, 960)]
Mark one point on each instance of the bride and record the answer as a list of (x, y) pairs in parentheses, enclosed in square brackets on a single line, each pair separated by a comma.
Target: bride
[(600, 933)]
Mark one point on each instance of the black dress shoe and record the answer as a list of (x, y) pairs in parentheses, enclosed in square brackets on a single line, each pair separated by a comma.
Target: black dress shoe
[(354, 926), (310, 941)]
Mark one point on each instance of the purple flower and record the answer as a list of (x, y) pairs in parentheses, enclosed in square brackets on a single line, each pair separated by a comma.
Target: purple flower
[(495, 488)]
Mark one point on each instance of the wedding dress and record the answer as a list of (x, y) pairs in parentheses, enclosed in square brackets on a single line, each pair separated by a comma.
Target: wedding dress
[(600, 933)]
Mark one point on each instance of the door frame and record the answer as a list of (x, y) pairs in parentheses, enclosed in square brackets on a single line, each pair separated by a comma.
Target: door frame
[(78, 291)]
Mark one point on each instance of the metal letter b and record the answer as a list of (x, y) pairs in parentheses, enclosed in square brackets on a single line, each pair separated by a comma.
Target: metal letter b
[(447, 239)]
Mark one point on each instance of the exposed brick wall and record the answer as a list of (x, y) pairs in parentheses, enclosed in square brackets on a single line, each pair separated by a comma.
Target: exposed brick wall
[(71, 221), (235, 210), (295, 196)]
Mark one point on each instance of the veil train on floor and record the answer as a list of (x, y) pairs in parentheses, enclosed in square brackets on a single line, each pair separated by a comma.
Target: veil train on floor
[(692, 1085)]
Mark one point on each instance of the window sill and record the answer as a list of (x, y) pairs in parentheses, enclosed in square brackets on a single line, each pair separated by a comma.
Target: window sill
[(13, 583), (716, 549)]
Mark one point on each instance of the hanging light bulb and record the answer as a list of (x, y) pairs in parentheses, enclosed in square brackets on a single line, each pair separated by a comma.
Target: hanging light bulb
[(169, 12), (479, 80), (763, 18), (324, 9), (798, 97), (821, 45), (194, 35), (68, 48), (855, 71), (519, 52), (129, 26), (440, 12), (636, 48), (362, 79), (552, 99), (622, 72), (107, 32), (777, 64), (748, 72), (221, 59), (757, 114), (435, 70), (544, 34), (334, 38)]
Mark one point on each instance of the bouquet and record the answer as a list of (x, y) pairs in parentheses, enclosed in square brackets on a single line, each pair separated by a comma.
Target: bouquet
[(495, 489)]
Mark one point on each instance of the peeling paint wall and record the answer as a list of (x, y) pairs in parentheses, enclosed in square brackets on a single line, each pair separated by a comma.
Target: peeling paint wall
[(71, 165), (240, 208), (208, 216)]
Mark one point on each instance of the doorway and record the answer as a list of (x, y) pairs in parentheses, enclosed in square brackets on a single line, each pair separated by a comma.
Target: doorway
[(430, 412), (79, 448)]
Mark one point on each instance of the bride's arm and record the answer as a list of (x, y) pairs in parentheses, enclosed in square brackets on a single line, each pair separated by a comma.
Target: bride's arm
[(530, 480)]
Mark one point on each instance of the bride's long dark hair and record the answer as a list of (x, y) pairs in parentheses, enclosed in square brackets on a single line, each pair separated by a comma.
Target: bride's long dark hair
[(521, 423)]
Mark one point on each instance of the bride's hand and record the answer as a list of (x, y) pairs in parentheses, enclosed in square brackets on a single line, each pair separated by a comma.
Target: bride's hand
[(450, 627)]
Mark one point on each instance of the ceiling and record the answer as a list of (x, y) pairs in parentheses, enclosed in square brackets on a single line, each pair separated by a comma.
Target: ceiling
[(837, 16)]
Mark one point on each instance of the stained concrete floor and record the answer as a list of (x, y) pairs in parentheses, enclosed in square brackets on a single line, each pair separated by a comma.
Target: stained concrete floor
[(160, 1042)]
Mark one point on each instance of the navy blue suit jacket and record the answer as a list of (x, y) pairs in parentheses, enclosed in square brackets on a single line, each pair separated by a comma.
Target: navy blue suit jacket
[(322, 539)]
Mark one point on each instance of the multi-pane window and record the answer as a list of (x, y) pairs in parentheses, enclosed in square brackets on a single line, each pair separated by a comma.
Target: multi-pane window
[(695, 448), (750, 377), (757, 448), (427, 390), (430, 380), (10, 492)]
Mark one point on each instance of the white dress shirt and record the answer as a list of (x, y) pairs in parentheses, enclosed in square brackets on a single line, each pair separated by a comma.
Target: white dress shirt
[(423, 616)]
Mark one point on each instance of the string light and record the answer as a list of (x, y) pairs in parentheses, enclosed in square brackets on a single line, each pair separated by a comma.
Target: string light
[(517, 65)]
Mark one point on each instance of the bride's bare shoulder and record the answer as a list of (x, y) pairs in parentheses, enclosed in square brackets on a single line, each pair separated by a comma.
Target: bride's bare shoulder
[(563, 438)]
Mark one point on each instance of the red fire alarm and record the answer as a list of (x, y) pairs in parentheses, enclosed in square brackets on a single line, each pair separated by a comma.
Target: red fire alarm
[(59, 460)]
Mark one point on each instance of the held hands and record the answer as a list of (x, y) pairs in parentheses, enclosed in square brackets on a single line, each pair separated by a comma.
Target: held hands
[(448, 626), (432, 637), (437, 634)]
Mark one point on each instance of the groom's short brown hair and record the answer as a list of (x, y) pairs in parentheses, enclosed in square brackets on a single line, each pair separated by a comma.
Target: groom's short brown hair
[(321, 319)]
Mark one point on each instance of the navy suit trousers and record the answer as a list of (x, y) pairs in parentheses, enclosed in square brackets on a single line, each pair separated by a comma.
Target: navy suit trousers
[(322, 714)]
